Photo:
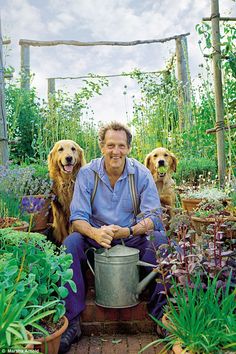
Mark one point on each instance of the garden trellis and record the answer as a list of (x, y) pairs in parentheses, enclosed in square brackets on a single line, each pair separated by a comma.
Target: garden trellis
[(181, 54)]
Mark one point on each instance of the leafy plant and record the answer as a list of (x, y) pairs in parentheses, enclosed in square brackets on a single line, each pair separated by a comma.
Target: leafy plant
[(13, 333), (44, 265), (186, 258), (201, 320), (206, 193)]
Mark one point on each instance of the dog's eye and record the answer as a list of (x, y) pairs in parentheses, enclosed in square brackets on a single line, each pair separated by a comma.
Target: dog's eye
[(166, 155), (155, 155), (60, 149), (73, 148)]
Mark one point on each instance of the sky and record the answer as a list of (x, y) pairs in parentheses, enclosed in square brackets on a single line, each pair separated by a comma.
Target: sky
[(102, 20)]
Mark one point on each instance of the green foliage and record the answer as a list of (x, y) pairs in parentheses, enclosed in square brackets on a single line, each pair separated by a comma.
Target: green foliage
[(13, 334), (44, 267), (191, 168), (155, 114), (23, 116), (66, 117), (201, 320)]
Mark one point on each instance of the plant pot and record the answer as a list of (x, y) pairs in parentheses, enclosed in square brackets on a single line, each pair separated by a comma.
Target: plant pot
[(190, 204), (9, 221), (51, 343), (201, 224), (177, 349), (30, 337)]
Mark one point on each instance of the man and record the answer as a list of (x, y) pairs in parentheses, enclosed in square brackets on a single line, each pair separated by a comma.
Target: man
[(102, 213)]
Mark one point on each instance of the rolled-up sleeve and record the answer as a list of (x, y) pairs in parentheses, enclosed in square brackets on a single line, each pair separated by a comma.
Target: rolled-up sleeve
[(150, 206), (80, 208)]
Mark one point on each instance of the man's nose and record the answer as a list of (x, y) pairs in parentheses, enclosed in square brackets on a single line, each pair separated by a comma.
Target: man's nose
[(116, 150)]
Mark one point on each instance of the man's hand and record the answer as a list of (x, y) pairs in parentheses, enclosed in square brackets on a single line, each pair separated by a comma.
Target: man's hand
[(105, 235), (121, 232)]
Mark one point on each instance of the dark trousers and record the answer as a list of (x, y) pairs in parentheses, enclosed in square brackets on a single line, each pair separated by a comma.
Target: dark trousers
[(76, 244)]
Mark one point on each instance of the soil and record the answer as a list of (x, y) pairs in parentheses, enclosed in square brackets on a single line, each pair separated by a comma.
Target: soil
[(9, 222), (50, 327)]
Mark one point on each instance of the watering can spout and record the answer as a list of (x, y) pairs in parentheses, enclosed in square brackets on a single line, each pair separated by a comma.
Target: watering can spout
[(143, 283)]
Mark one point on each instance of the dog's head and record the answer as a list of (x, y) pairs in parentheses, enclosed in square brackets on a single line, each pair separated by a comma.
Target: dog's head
[(65, 158), (160, 162)]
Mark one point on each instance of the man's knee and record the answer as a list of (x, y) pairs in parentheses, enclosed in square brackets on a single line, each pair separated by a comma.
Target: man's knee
[(74, 241)]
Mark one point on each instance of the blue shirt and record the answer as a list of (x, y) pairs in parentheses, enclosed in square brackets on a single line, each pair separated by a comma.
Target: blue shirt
[(115, 206)]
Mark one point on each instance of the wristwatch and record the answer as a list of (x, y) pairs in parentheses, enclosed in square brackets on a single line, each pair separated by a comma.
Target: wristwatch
[(131, 231)]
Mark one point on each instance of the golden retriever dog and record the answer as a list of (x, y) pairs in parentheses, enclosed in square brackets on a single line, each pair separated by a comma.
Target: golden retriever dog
[(64, 162), (161, 162)]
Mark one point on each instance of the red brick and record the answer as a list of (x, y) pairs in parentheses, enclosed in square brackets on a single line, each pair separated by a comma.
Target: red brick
[(133, 344), (95, 346), (146, 326), (88, 314), (99, 314), (126, 314), (92, 328), (111, 314), (139, 312)]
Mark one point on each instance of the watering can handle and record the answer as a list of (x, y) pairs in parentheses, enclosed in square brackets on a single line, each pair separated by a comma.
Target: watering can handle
[(90, 267)]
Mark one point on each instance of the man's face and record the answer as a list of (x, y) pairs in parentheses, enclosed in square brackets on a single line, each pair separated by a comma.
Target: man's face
[(115, 149)]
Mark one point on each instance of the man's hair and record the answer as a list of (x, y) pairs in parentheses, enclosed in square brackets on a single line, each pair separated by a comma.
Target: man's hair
[(113, 126)]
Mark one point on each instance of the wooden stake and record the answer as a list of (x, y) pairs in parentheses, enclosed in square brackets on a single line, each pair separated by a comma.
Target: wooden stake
[(51, 87), (215, 15), (25, 67), (184, 95), (4, 154)]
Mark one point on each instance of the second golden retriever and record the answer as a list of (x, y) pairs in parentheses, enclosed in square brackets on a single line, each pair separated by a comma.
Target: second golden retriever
[(161, 162), (64, 162)]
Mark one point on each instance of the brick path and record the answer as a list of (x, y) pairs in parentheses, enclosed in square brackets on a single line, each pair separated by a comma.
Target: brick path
[(119, 344), (114, 331)]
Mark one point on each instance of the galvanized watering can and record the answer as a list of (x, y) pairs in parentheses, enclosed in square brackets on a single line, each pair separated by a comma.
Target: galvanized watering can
[(116, 275)]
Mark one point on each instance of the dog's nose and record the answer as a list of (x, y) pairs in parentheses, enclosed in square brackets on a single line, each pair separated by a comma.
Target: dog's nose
[(161, 163), (68, 159)]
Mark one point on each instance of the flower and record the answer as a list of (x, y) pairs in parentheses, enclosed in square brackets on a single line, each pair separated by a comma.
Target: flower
[(32, 205)]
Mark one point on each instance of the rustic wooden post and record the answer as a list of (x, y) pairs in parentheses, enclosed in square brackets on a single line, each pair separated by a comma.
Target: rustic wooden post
[(51, 87), (184, 94), (216, 56), (25, 67), (4, 154)]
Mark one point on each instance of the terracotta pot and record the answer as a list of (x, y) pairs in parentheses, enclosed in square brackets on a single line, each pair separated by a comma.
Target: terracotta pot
[(9, 221), (190, 204), (177, 349), (201, 224), (51, 343), (30, 337)]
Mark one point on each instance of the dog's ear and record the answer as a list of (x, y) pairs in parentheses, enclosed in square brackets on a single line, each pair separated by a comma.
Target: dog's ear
[(147, 161), (50, 160), (82, 158), (174, 163)]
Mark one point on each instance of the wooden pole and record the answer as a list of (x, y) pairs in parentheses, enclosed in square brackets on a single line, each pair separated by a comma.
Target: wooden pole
[(184, 94), (4, 154), (216, 56), (87, 44), (51, 87), (25, 67)]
